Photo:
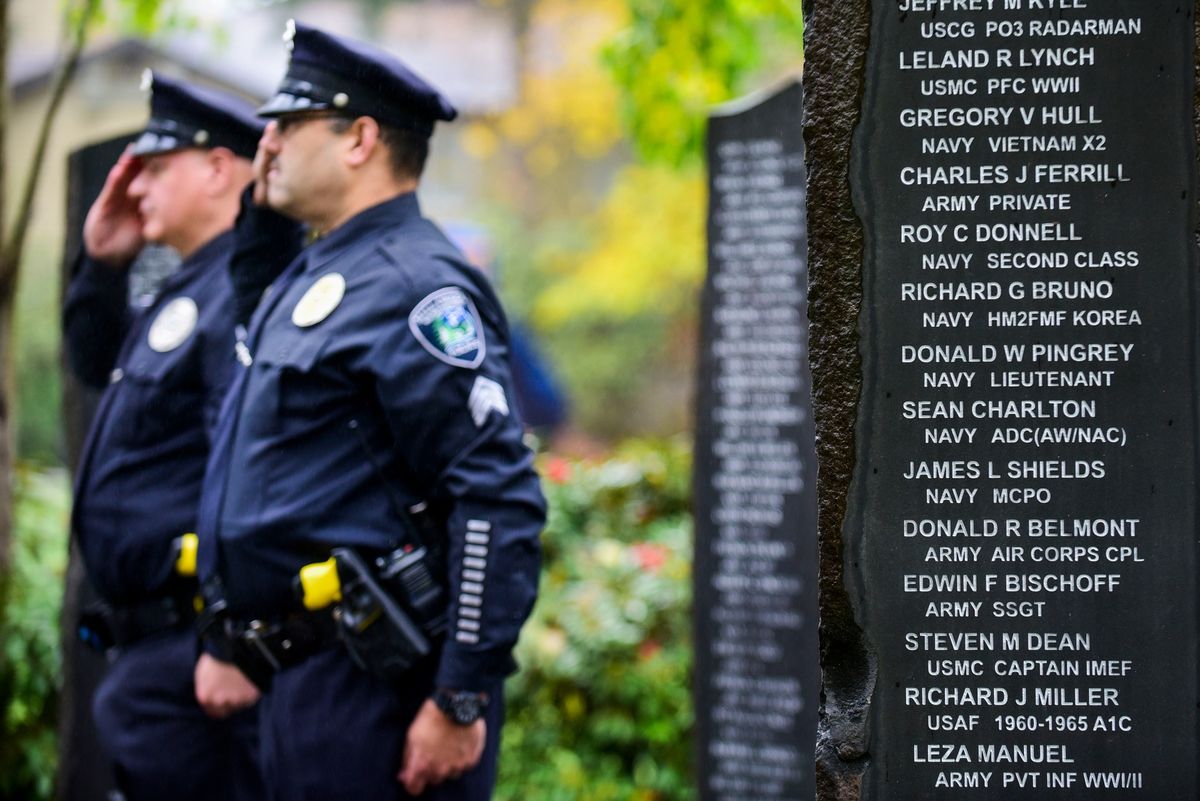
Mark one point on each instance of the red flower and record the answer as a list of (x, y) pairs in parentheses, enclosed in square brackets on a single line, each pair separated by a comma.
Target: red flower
[(558, 469), (648, 649), (650, 556)]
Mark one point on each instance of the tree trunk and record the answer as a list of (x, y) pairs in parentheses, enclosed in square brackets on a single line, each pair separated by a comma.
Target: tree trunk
[(6, 326), (7, 441)]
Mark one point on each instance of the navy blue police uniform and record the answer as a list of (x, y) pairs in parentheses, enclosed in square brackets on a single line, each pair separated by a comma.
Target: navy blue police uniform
[(164, 371), (374, 380)]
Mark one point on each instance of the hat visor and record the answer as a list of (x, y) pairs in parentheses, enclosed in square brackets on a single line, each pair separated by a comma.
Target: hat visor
[(284, 103)]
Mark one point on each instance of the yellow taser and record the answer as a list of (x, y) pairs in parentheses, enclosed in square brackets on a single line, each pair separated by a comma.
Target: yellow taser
[(185, 554), (320, 585)]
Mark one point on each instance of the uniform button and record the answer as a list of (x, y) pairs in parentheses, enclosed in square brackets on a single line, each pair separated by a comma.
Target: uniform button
[(116, 375)]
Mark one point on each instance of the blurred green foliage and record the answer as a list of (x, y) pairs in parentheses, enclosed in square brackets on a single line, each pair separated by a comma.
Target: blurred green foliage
[(29, 635), (601, 708), (38, 370), (677, 58), (141, 17)]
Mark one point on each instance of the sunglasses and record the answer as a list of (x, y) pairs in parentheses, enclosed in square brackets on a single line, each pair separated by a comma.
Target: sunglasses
[(288, 122)]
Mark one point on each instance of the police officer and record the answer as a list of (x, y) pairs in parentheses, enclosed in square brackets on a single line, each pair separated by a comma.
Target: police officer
[(165, 371), (374, 382)]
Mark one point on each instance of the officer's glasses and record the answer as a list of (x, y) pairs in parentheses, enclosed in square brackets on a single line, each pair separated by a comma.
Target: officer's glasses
[(290, 122)]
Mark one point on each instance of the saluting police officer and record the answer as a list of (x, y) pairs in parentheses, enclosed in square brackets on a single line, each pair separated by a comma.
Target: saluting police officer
[(374, 383), (165, 370)]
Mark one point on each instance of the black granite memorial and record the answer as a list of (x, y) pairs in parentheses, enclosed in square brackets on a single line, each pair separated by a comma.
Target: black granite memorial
[(1021, 540), (755, 572)]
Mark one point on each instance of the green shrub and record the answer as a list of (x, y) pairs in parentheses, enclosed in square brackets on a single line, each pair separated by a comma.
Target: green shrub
[(29, 633), (601, 709), (36, 361)]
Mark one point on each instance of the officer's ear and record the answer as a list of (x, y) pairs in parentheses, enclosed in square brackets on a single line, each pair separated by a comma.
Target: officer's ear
[(225, 170), (362, 141)]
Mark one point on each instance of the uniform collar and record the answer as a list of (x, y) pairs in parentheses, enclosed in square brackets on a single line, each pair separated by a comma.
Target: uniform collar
[(387, 214), (202, 258)]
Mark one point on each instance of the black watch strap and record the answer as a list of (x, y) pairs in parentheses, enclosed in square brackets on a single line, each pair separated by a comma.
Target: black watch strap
[(462, 707)]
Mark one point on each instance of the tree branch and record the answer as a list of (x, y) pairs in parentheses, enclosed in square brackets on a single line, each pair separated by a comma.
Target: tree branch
[(14, 246)]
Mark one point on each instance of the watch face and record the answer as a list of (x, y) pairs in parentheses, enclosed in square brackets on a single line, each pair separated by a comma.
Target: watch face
[(463, 708), (466, 709)]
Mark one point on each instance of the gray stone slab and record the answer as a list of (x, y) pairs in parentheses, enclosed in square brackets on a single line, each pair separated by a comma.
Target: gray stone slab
[(757, 680), (1021, 538)]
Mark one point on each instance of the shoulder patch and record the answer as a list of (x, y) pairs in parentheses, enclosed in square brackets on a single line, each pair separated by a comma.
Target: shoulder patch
[(173, 325), (320, 300), (446, 324)]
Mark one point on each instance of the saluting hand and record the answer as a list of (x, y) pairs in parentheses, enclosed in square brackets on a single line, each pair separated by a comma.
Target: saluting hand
[(112, 232), (262, 163), (437, 749), (222, 689)]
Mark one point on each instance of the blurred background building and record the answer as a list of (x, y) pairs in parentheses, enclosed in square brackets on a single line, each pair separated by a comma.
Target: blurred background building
[(468, 51)]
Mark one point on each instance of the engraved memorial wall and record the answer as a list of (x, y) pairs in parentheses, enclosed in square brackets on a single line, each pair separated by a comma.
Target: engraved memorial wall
[(1021, 539), (755, 556)]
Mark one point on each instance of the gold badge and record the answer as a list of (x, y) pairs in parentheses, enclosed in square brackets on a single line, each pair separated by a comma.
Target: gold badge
[(173, 325), (320, 300)]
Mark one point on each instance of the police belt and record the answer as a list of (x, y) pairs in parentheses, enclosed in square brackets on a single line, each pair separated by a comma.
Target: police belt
[(104, 625), (262, 648)]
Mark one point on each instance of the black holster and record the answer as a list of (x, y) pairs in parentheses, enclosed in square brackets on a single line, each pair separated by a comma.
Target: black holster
[(392, 612)]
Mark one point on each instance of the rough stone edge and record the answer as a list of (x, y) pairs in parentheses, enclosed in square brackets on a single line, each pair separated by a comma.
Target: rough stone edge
[(836, 36), (1195, 155)]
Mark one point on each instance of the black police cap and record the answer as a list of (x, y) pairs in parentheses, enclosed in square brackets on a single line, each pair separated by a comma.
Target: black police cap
[(332, 72), (183, 115)]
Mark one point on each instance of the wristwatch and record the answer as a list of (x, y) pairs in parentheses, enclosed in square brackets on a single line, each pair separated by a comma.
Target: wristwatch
[(462, 707)]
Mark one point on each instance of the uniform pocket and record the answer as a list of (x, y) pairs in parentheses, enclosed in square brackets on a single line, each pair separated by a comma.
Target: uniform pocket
[(292, 364), (149, 367), (297, 351), (165, 393)]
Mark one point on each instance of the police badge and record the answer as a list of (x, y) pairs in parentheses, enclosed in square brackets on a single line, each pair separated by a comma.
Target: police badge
[(173, 325)]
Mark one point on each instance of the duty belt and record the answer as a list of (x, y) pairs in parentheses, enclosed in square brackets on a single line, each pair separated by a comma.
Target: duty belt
[(262, 648), (105, 625)]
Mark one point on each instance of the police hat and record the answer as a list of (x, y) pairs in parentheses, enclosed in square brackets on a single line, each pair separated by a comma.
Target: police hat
[(331, 72), (183, 115)]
